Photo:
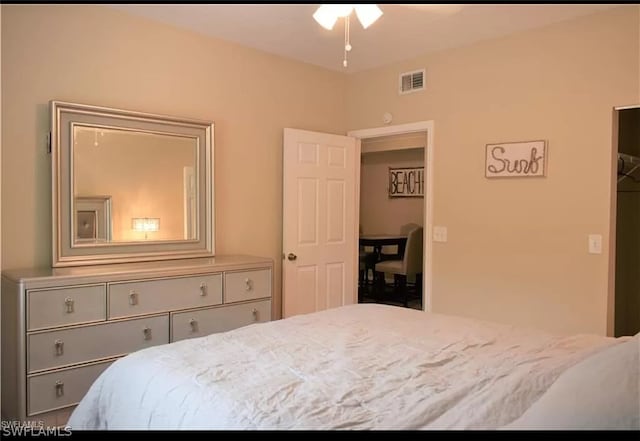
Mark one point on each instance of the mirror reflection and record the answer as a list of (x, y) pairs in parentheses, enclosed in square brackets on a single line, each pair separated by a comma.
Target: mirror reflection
[(129, 186), (133, 186)]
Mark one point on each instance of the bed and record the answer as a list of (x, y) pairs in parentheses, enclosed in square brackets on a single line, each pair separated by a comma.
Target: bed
[(370, 366)]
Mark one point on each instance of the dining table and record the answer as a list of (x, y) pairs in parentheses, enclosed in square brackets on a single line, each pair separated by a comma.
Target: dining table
[(377, 241)]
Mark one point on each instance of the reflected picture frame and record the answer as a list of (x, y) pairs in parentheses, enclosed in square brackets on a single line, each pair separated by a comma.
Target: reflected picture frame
[(92, 220)]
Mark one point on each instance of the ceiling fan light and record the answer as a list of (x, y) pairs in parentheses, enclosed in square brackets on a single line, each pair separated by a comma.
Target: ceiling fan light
[(368, 14), (325, 17)]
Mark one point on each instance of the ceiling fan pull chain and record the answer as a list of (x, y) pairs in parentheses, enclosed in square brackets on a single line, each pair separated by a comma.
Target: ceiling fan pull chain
[(347, 44)]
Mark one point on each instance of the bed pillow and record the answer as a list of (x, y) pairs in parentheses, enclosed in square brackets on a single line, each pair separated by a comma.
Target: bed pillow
[(601, 392)]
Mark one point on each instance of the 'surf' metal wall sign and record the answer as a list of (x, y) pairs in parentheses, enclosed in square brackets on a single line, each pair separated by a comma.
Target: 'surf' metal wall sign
[(516, 159), (406, 182)]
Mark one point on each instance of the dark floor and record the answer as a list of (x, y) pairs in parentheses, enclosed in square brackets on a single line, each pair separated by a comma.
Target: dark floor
[(368, 293)]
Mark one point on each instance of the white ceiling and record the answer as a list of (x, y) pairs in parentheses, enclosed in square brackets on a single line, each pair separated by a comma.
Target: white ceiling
[(403, 32)]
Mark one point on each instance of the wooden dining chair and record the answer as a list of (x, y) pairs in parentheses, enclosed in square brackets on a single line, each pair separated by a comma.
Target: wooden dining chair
[(367, 262), (409, 266)]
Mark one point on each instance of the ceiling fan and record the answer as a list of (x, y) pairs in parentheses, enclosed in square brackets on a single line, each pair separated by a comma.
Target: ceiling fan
[(328, 14)]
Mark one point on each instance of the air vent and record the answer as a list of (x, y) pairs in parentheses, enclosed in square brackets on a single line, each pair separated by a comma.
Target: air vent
[(412, 81)]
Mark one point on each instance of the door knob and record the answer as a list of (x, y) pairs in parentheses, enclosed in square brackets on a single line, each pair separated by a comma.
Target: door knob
[(292, 256)]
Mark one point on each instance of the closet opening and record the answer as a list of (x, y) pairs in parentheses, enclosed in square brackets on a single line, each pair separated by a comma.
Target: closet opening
[(626, 317)]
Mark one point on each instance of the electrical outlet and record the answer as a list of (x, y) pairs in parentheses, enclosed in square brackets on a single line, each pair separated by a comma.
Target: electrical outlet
[(595, 244), (439, 234)]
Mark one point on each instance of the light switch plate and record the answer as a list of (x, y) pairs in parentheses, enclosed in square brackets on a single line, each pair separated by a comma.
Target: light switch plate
[(439, 234), (595, 244)]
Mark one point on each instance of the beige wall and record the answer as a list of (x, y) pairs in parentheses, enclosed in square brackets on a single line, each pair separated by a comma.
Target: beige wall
[(517, 248), (95, 55), (378, 212)]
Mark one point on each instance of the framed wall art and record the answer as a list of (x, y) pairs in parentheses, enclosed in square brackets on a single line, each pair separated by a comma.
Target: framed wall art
[(406, 182), (516, 159)]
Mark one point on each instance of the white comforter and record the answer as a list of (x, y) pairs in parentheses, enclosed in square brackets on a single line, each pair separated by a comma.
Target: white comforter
[(354, 367)]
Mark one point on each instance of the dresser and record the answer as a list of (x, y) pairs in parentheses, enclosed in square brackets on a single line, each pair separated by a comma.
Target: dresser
[(61, 328)]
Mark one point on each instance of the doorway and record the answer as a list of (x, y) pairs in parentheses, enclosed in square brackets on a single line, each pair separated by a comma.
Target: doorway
[(391, 204), (316, 281), (626, 251), (424, 129)]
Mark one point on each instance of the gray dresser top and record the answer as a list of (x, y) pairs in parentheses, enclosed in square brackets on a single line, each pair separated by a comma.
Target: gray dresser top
[(43, 277)]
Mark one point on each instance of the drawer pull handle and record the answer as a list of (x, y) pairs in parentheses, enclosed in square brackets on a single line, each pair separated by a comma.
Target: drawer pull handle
[(147, 333), (59, 388), (203, 289), (133, 298), (194, 325), (59, 347), (254, 311), (69, 304), (248, 284)]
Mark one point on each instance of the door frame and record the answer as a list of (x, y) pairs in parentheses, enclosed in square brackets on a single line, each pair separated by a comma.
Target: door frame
[(401, 129)]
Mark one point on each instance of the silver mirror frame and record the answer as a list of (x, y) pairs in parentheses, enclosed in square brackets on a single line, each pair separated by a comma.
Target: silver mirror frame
[(65, 252)]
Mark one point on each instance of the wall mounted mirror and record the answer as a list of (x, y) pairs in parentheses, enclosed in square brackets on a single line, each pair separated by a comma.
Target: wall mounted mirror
[(129, 186)]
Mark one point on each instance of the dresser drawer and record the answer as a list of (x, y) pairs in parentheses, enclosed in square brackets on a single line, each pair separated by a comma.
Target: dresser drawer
[(162, 295), (202, 322), (65, 306), (247, 285), (47, 350), (62, 388)]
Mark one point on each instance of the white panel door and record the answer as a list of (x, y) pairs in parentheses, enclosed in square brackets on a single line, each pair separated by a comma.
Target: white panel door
[(319, 221)]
